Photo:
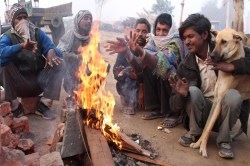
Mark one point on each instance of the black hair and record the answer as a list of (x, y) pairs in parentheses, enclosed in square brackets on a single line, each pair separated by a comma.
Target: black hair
[(163, 18), (198, 22), (143, 21)]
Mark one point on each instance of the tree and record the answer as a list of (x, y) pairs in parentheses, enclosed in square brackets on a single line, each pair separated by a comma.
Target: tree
[(162, 6), (238, 23), (129, 22)]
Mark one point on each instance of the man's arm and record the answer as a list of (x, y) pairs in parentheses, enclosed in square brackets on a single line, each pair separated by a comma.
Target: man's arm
[(7, 51), (47, 44)]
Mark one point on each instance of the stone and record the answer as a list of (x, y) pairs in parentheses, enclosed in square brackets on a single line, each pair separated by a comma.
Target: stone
[(32, 159), (13, 140), (8, 119), (26, 145), (51, 159)]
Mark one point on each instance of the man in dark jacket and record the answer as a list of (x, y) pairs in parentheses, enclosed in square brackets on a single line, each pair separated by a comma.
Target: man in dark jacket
[(31, 64), (195, 82), (127, 80)]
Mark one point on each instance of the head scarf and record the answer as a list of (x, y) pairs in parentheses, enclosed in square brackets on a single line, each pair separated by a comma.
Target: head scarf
[(14, 11), (66, 42)]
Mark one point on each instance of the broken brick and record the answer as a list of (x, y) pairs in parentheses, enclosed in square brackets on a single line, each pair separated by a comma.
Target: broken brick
[(5, 108), (51, 159), (26, 145), (8, 120), (11, 157), (30, 104), (20, 125), (5, 134), (32, 159), (13, 141)]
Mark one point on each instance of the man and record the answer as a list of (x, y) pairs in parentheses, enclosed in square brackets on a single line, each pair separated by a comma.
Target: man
[(159, 60), (31, 64), (127, 79), (195, 82), (70, 43)]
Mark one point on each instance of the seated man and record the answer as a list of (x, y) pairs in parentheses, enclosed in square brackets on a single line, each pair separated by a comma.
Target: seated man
[(127, 81), (70, 43), (196, 83), (31, 64)]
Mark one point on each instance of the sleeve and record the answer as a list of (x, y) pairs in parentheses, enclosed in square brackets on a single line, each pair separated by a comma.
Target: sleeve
[(242, 65), (169, 59), (47, 44), (7, 50)]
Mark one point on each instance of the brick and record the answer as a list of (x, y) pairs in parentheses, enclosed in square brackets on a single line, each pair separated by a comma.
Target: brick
[(30, 104), (51, 159), (5, 134), (5, 108), (8, 120), (20, 125), (11, 157), (26, 145), (32, 159), (13, 141)]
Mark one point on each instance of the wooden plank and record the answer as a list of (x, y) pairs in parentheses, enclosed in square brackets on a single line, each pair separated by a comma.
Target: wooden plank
[(146, 159), (98, 147)]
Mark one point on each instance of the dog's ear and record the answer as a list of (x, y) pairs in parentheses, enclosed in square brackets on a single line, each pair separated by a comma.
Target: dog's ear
[(214, 32), (239, 36)]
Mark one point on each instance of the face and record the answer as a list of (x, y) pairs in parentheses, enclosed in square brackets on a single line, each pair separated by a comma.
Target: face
[(194, 41), (141, 30), (19, 18), (85, 23), (162, 29)]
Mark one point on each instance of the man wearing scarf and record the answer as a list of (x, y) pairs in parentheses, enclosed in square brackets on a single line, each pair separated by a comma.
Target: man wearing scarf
[(31, 64), (70, 43)]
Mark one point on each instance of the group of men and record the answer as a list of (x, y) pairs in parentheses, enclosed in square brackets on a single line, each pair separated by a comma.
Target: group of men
[(172, 67)]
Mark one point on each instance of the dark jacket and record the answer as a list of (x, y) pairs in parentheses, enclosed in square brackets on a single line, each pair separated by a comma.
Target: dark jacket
[(190, 70)]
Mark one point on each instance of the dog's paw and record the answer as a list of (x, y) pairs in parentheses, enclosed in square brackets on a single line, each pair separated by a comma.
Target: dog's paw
[(195, 145), (203, 151)]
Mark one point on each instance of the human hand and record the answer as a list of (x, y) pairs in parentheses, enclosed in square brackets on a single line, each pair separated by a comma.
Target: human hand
[(181, 86), (223, 66), (133, 43), (132, 74), (118, 46), (52, 59), (118, 69), (29, 45)]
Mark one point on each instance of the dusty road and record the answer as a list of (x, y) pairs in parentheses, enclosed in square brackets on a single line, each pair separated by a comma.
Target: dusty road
[(164, 144)]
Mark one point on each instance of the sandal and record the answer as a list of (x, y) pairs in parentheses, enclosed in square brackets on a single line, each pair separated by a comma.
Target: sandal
[(153, 115), (170, 122)]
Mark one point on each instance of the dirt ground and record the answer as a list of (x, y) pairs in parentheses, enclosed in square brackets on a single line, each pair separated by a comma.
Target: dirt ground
[(164, 144)]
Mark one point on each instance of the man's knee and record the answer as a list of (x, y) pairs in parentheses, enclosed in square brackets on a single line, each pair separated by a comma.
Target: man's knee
[(232, 99), (195, 94)]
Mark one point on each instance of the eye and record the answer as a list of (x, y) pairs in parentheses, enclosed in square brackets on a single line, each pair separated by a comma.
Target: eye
[(223, 41)]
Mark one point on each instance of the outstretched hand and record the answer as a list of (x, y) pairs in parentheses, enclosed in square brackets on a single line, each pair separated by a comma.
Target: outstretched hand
[(29, 45), (122, 45), (181, 86), (223, 66), (52, 59)]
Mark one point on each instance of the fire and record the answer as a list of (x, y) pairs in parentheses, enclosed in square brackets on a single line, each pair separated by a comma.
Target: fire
[(91, 93)]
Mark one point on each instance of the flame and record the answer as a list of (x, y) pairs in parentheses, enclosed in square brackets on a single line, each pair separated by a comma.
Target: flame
[(91, 94)]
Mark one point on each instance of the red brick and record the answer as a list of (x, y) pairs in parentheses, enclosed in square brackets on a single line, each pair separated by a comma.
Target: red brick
[(5, 134), (5, 108), (32, 159), (11, 157), (8, 120), (20, 125), (13, 141), (51, 159), (26, 145), (30, 104)]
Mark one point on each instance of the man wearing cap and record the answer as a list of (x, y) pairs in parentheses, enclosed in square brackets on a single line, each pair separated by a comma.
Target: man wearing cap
[(69, 44), (31, 64)]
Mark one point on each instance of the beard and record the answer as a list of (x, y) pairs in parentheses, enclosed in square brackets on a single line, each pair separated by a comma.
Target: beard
[(87, 28), (141, 41)]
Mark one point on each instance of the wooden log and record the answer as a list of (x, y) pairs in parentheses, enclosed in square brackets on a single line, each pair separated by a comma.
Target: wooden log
[(98, 147)]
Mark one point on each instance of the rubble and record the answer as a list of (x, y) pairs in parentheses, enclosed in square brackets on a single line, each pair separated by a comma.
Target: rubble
[(51, 159), (32, 159)]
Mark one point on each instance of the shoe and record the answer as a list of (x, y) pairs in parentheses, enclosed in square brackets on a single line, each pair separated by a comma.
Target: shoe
[(225, 151), (44, 111), (129, 110), (187, 139), (17, 113), (170, 122)]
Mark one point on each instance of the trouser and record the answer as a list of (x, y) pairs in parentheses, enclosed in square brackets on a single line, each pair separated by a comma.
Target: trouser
[(156, 92), (198, 108), (48, 82)]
